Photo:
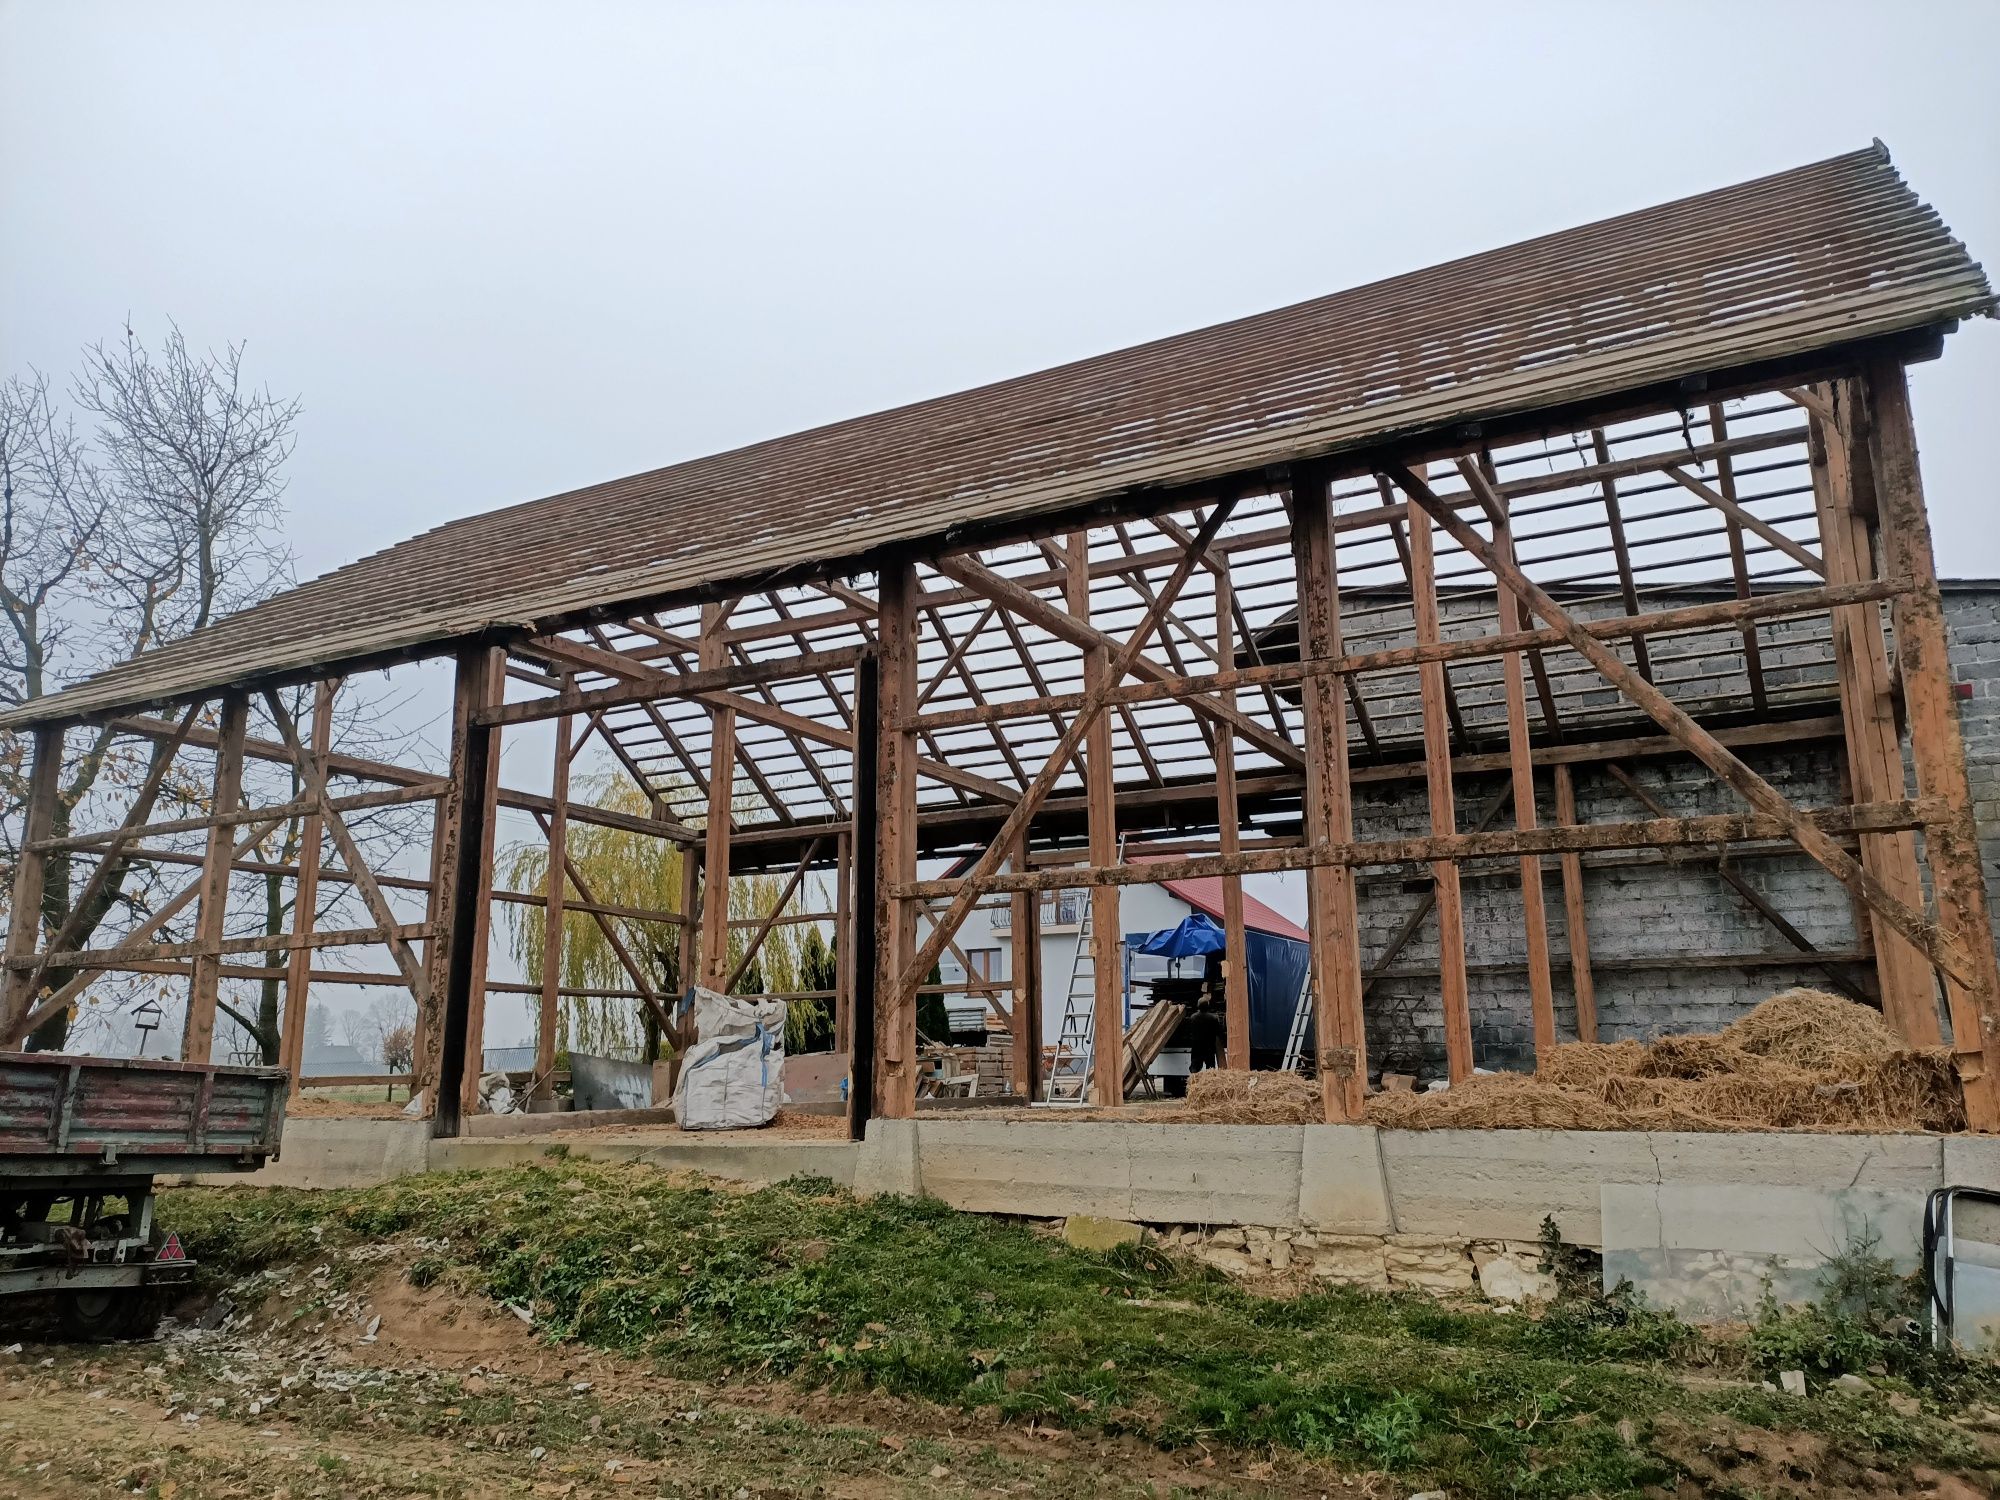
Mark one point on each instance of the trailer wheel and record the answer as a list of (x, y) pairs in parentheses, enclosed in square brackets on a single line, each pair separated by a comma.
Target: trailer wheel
[(101, 1315)]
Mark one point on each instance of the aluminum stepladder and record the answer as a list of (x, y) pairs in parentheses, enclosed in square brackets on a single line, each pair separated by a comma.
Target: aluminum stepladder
[(1076, 1038), (1302, 1014)]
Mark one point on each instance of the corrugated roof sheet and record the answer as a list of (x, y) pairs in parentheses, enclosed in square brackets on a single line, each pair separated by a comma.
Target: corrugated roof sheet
[(1806, 259)]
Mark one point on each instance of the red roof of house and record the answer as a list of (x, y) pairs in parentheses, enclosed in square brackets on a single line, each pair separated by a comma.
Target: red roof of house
[(1205, 895)]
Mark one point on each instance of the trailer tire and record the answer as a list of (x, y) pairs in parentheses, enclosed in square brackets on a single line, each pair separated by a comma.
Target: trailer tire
[(98, 1316)]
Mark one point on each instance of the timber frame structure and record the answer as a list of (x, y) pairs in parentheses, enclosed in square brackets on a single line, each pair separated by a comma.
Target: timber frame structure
[(1182, 600)]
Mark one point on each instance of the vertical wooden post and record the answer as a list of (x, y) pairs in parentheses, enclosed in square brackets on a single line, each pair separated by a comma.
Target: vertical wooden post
[(423, 1052), (1840, 465), (198, 1036), (24, 926), (1583, 984), (555, 886), (843, 938), (895, 1030), (462, 858), (1444, 816), (715, 964), (305, 900), (1339, 1036), (492, 689), (866, 880), (1534, 914), (1936, 745), (1107, 943), (1025, 965), (1228, 818)]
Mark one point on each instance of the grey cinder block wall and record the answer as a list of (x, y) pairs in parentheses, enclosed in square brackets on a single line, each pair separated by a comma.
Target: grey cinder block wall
[(1663, 931)]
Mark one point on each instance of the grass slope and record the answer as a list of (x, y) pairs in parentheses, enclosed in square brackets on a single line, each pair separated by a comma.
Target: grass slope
[(805, 1281)]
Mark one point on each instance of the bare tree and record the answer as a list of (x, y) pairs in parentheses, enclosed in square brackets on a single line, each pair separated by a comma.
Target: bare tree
[(166, 519)]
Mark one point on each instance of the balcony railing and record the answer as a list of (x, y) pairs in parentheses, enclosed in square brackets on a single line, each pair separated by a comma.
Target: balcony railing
[(1059, 909)]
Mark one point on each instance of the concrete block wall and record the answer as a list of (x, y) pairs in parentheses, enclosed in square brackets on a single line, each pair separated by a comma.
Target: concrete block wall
[(1972, 616), (1660, 910)]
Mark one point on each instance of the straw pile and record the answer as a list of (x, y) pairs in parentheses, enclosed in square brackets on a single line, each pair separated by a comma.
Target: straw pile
[(1232, 1096), (1803, 1060)]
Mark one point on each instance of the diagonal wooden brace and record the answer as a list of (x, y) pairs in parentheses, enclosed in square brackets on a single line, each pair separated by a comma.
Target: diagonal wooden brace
[(312, 777), (1018, 816), (1063, 625), (1710, 751)]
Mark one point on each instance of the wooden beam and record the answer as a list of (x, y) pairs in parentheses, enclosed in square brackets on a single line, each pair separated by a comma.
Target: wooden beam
[(1753, 788), (843, 937), (1037, 791), (1868, 719), (721, 812), (1340, 1039), (1453, 989), (198, 1032), (644, 682), (24, 926), (1534, 914), (1025, 967), (305, 901), (458, 897), (1107, 1056), (1728, 612), (1072, 624), (1511, 843), (1936, 746), (1229, 825), (1576, 929), (555, 884), (1747, 520), (897, 975), (871, 895)]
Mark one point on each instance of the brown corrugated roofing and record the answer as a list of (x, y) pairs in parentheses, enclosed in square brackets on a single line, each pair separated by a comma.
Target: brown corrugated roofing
[(1803, 260)]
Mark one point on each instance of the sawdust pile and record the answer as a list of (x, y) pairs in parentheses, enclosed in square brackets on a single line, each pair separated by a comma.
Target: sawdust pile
[(1803, 1060), (1232, 1096)]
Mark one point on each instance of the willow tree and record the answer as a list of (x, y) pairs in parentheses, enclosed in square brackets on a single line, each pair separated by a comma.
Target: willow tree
[(640, 872)]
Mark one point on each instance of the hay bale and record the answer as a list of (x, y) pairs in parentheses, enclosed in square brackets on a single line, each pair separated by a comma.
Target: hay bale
[(1498, 1101), (1808, 1028), (1586, 1064), (1802, 1060), (1235, 1096)]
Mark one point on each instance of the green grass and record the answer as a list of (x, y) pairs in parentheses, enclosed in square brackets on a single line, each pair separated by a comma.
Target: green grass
[(804, 1281)]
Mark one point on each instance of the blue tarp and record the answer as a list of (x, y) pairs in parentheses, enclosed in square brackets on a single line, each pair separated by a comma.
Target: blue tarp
[(1276, 965), (1196, 935)]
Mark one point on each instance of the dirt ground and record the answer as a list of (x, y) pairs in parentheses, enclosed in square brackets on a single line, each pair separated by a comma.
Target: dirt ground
[(395, 1392)]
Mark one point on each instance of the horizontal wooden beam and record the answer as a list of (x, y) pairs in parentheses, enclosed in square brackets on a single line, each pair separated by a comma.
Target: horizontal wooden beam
[(645, 683), (359, 768), (1655, 833), (110, 839), (283, 942), (1721, 613)]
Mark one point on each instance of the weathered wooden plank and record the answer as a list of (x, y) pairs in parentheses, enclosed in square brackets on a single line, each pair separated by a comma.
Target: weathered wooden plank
[(1937, 748), (1576, 925), (1452, 987), (198, 1031)]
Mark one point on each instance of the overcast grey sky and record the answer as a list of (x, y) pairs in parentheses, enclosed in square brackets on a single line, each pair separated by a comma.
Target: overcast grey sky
[(505, 249)]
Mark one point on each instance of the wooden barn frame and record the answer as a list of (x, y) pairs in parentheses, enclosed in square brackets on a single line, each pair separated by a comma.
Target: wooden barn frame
[(1645, 489)]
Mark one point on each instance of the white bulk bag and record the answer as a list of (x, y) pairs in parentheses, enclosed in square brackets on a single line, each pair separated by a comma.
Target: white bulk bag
[(732, 1078)]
